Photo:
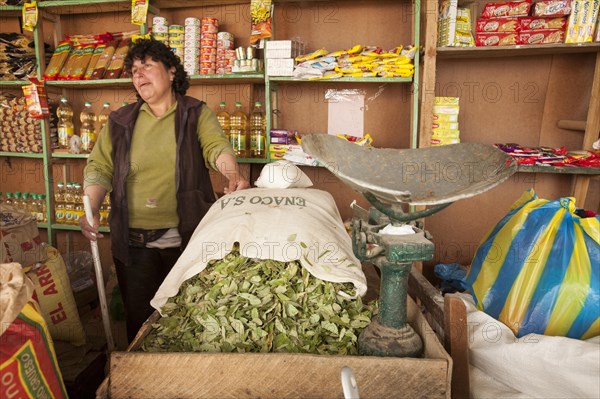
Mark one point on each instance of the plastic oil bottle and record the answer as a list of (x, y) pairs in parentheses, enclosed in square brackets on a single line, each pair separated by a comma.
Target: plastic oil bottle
[(78, 203), (238, 130), (9, 199), (59, 203), (69, 204), (223, 117), (65, 128), (103, 116), (88, 130), (17, 200), (258, 132)]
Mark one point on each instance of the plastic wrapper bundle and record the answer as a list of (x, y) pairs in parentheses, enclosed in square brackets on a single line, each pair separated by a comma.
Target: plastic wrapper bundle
[(538, 270), (17, 57)]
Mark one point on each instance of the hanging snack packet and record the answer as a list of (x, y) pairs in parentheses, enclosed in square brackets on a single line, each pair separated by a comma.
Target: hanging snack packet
[(30, 15), (36, 100), (260, 12), (139, 11)]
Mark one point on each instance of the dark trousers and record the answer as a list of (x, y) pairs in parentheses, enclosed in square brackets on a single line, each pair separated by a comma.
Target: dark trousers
[(140, 280)]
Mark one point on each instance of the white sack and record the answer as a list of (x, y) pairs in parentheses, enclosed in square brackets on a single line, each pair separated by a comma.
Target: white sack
[(281, 224), (535, 366)]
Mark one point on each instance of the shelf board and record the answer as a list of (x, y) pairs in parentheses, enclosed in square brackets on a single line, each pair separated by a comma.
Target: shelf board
[(42, 225), (21, 154), (87, 84), (573, 170), (13, 83), (73, 227), (69, 155), (59, 7), (257, 77), (341, 80), (10, 11), (253, 160), (516, 51)]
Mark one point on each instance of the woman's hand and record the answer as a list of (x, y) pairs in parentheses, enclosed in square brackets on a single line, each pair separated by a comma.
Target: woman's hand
[(236, 185), (90, 232)]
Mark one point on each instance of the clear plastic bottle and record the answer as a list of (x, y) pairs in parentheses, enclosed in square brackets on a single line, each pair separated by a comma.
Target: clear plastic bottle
[(17, 200), (36, 207), (65, 127), (238, 130), (88, 130), (258, 131), (59, 203), (78, 203), (103, 116), (9, 199), (224, 118), (69, 204)]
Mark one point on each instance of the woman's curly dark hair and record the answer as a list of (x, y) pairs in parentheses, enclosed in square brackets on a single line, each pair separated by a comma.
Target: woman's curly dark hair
[(159, 52)]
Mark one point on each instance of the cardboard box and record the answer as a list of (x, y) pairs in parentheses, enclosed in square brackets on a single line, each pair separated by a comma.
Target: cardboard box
[(280, 67)]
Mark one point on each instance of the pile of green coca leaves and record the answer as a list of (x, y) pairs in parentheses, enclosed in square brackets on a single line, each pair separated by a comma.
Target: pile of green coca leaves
[(239, 304)]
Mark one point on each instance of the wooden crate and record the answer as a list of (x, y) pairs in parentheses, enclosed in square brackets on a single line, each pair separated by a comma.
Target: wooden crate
[(277, 375)]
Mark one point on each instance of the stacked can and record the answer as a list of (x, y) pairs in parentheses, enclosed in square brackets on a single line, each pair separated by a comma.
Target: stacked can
[(160, 30), (208, 46), (191, 49), (176, 39), (225, 52)]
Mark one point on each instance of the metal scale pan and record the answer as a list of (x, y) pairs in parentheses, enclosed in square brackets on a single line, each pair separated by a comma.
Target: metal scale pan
[(423, 176)]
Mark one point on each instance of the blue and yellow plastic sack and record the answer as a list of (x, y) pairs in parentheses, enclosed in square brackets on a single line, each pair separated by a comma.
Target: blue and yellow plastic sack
[(538, 270)]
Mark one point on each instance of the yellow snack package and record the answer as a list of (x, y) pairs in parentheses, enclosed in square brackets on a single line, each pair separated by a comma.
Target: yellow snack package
[(260, 14), (139, 11), (30, 15)]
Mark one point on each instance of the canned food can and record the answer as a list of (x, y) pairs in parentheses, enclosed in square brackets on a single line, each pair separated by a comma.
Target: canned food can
[(240, 54), (208, 65), (176, 43), (210, 21), (191, 50), (191, 21), (191, 58), (208, 57), (208, 43), (224, 43), (176, 28), (208, 35), (160, 29), (159, 21), (209, 28), (250, 53), (225, 36)]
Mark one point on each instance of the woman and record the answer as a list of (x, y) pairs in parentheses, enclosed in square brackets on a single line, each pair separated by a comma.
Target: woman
[(153, 157)]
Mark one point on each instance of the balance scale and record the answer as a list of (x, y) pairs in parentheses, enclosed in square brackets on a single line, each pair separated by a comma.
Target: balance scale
[(394, 181)]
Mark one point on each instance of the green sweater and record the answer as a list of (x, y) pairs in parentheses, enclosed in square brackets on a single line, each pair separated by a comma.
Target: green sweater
[(151, 186)]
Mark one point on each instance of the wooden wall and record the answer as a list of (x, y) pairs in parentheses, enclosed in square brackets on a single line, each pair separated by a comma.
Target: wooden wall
[(515, 99)]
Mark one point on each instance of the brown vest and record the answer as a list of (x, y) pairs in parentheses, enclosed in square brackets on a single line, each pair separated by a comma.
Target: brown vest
[(194, 189)]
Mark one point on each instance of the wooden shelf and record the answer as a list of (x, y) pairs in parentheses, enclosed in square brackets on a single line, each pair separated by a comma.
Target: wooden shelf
[(571, 170), (516, 51), (246, 78), (73, 227), (89, 84), (69, 155), (341, 80), (242, 78), (21, 154), (13, 83), (10, 11), (253, 160)]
